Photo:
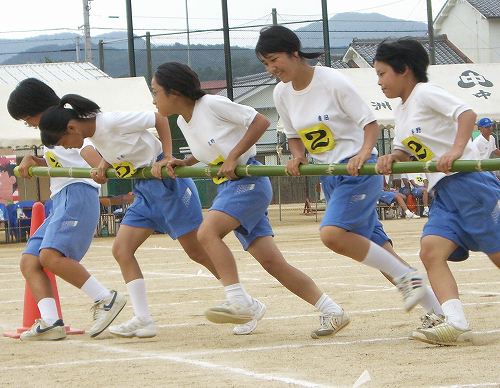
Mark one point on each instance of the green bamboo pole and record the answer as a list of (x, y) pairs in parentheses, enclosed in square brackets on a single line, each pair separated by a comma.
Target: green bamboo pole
[(308, 169)]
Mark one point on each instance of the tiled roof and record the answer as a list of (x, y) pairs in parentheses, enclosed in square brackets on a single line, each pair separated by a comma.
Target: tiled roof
[(49, 72), (488, 8), (249, 84), (446, 52)]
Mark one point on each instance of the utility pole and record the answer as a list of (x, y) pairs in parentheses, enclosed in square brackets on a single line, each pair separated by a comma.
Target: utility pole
[(86, 30), (187, 31), (430, 31), (326, 34), (275, 16), (77, 48), (227, 50), (130, 39)]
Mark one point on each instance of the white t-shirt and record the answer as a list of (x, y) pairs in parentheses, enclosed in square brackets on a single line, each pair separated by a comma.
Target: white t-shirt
[(62, 157), (216, 126), (426, 125), (485, 147), (123, 140), (328, 115)]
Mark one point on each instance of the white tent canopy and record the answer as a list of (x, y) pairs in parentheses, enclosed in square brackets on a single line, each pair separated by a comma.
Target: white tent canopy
[(111, 94), (474, 83)]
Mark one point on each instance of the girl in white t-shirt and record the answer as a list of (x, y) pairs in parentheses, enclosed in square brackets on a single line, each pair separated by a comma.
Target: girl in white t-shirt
[(64, 237), (221, 132), (165, 205), (433, 125), (324, 116)]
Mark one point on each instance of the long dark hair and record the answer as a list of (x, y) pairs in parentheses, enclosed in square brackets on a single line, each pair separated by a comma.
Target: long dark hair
[(175, 76), (279, 39), (30, 98), (404, 53), (54, 121)]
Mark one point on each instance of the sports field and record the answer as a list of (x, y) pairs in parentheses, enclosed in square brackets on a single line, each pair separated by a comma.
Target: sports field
[(189, 351)]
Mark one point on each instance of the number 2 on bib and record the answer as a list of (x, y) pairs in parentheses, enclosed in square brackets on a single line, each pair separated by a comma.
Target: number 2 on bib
[(124, 169), (418, 149), (317, 139)]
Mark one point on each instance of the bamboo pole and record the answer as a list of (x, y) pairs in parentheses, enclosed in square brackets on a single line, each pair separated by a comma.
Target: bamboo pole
[(249, 170)]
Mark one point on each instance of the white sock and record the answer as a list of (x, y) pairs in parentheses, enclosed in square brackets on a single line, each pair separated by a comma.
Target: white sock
[(430, 303), (454, 313), (137, 292), (48, 310), (326, 305), (94, 289), (235, 293), (378, 257)]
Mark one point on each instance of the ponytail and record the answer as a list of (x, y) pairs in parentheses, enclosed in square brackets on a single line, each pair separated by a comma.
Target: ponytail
[(54, 121)]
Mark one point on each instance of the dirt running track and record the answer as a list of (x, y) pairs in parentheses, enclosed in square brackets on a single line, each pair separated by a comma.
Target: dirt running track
[(191, 352)]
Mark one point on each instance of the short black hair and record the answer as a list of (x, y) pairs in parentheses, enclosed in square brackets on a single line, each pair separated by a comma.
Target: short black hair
[(30, 98), (404, 53), (279, 39)]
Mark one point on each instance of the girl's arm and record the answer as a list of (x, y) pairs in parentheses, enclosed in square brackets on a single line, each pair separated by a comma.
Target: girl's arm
[(94, 159), (298, 151), (466, 121), (255, 131), (384, 163), (163, 129), (30, 161), (371, 133)]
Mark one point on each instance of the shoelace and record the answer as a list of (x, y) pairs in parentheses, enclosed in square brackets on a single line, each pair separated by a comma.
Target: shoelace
[(430, 320), (324, 321), (95, 309)]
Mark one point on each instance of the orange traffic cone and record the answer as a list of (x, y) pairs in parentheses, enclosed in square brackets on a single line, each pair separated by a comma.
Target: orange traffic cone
[(31, 312)]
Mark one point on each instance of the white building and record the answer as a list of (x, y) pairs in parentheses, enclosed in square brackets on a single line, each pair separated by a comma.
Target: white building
[(473, 26)]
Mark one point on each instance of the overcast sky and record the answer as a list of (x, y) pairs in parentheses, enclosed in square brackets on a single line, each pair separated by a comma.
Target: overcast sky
[(25, 18)]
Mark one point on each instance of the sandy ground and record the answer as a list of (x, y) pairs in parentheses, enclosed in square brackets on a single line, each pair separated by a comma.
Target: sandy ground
[(192, 352)]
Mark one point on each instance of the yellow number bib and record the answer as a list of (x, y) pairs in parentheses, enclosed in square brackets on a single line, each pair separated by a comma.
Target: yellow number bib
[(317, 139), (418, 149), (124, 169), (51, 159), (217, 162)]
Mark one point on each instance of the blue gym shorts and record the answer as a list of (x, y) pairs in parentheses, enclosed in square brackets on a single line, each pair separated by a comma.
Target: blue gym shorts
[(466, 210), (170, 206), (247, 200), (351, 204), (387, 197), (71, 226)]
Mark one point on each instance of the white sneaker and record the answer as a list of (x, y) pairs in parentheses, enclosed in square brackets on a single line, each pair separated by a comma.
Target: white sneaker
[(105, 311), (41, 331), (135, 327), (330, 324), (229, 312), (410, 215), (425, 213), (443, 334), (259, 309), (412, 287)]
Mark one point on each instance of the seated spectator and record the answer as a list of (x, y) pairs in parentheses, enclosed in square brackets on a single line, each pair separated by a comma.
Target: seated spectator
[(404, 185), (390, 196), (419, 184)]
